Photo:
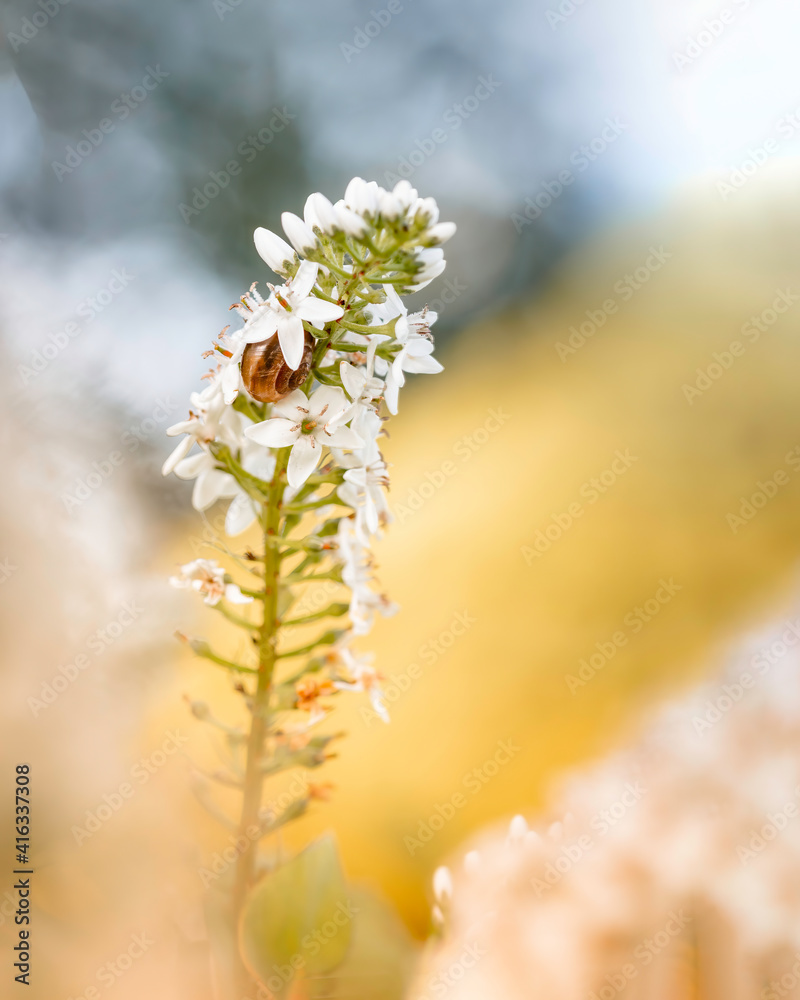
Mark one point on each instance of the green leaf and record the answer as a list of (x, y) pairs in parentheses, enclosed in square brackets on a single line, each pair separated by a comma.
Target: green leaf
[(380, 961), (297, 918)]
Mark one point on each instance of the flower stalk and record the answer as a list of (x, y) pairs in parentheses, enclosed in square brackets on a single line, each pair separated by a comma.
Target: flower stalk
[(306, 468)]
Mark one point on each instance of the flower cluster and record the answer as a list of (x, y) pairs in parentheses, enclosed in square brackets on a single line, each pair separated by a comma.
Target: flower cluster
[(288, 431), (681, 851)]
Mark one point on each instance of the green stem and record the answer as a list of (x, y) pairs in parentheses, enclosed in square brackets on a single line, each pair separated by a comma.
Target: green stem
[(254, 775)]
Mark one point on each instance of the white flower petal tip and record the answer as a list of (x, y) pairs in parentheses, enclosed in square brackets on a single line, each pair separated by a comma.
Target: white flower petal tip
[(517, 829), (300, 234), (234, 595), (441, 232), (442, 884), (472, 862), (274, 251)]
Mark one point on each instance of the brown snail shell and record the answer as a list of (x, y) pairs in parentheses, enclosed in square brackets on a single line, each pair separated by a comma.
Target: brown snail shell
[(265, 373)]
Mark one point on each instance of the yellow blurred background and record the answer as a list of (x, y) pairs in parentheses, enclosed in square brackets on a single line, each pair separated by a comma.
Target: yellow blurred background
[(481, 662)]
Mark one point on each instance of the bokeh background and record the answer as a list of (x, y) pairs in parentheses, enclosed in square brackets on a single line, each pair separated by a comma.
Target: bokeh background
[(627, 200)]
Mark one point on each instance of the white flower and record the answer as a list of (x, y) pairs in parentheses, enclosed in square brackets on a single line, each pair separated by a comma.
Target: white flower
[(243, 510), (363, 490), (307, 425), (203, 425), (274, 251), (363, 197), (411, 332), (320, 214), (357, 575), (397, 202), (443, 884), (282, 313), (300, 234), (361, 676), (433, 263), (207, 577), (211, 484)]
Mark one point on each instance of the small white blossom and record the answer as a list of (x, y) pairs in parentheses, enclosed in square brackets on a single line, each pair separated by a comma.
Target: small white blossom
[(300, 234), (307, 425), (412, 332), (275, 252), (283, 313), (207, 577)]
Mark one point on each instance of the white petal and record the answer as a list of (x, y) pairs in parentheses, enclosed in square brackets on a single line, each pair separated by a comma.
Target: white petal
[(303, 460), (317, 311), (442, 883), (210, 486), (277, 432), (352, 378), (390, 396), (351, 222), (442, 231), (329, 398), (320, 213), (302, 283), (182, 427), (291, 337), (393, 298), (240, 516), (190, 468), (300, 235), (235, 596), (291, 406), (260, 328), (230, 382), (343, 437), (178, 453), (422, 365), (273, 250)]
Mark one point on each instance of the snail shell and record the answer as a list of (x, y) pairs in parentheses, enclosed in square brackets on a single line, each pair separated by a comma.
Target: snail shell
[(265, 373)]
